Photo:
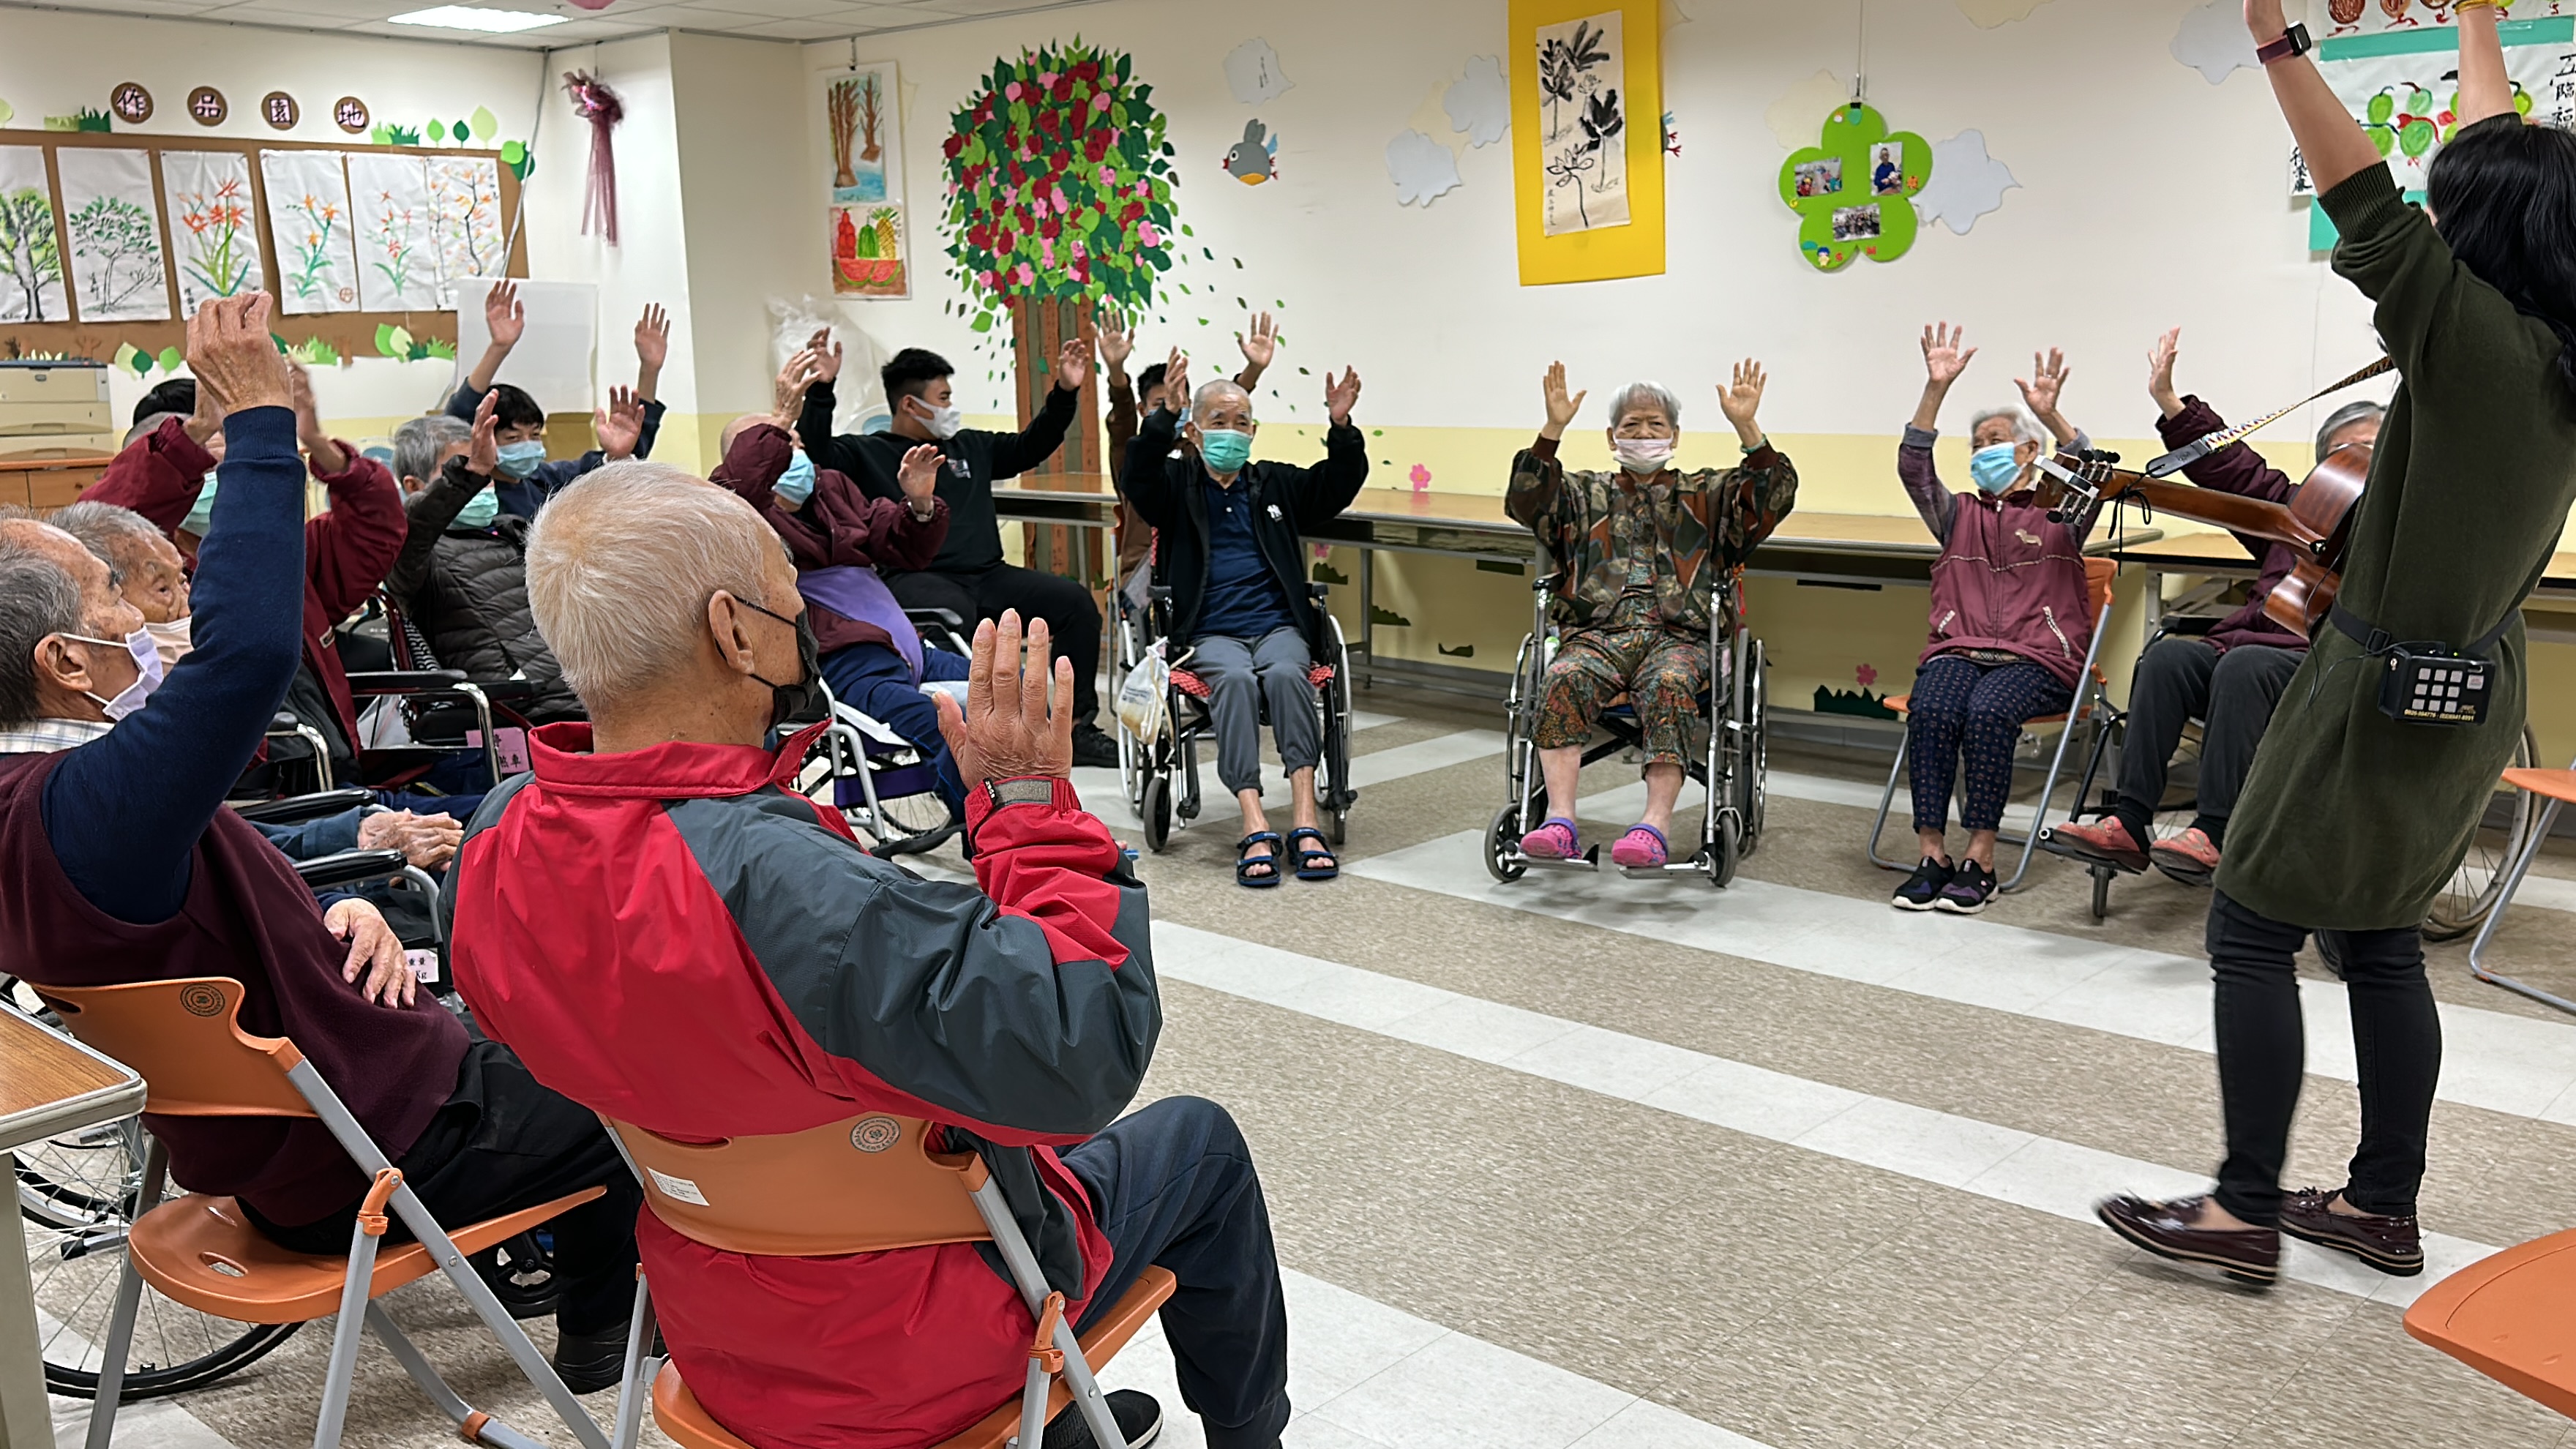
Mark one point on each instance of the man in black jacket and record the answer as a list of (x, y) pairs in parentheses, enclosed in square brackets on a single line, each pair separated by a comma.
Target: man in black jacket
[(968, 577), (1231, 555)]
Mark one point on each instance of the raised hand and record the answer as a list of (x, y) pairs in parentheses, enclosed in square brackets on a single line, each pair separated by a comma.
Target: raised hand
[(325, 455), (503, 316), (2047, 380), (653, 337), (230, 351), (918, 476), (1262, 347), (208, 419), (1946, 353), (1116, 342), (483, 449), (1176, 379), (2160, 371), (1073, 364), (620, 425), (799, 375), (1561, 408), (1005, 730), (827, 355), (1741, 398), (1341, 395)]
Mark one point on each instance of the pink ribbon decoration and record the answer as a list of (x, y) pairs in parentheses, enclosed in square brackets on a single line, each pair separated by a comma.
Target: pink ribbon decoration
[(594, 102)]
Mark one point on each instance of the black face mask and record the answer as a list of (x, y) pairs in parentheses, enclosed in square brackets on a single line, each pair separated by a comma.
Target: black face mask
[(801, 703)]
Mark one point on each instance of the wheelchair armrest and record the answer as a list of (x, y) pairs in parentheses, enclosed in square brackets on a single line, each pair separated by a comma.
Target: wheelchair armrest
[(1542, 583), (349, 867), (296, 809), (284, 722), (944, 618), (2188, 624), (1159, 593), (409, 682), (1322, 594)]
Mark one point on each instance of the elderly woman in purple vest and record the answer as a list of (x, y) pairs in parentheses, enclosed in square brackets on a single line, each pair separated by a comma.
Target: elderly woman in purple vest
[(838, 537), (2010, 618)]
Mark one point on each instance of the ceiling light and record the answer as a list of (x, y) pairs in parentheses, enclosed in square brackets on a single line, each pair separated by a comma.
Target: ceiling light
[(460, 17)]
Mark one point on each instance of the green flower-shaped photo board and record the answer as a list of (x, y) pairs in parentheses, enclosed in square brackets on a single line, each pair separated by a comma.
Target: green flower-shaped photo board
[(1854, 189)]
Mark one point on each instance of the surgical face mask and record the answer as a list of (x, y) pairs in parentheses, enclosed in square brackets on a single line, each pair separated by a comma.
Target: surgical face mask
[(801, 703), (796, 484), (1225, 449), (202, 516), (173, 640), (942, 423), (1995, 468), (147, 678), (1642, 455), (519, 459), (479, 510)]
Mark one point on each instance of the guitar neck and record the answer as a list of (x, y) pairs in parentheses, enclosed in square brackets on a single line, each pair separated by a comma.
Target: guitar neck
[(2233, 512)]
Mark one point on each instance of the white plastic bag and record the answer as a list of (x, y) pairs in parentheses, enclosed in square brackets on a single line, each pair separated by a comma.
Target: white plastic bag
[(858, 398), (1141, 696)]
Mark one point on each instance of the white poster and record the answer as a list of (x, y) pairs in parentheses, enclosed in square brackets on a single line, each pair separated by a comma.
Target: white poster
[(115, 233), (31, 261), (553, 359), (208, 195), (310, 224), (1583, 123), (465, 224), (398, 268), (2403, 86)]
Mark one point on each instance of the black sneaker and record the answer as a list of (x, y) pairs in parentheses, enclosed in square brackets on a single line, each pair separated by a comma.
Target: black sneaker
[(1136, 1414), (1093, 746), (589, 1362), (1923, 887), (1970, 887)]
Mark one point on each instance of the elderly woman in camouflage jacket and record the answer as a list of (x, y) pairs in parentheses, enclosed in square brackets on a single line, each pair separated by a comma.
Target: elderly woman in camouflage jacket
[(1638, 552)]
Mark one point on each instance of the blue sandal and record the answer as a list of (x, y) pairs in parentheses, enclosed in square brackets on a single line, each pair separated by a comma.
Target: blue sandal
[(1306, 867), (1245, 865)]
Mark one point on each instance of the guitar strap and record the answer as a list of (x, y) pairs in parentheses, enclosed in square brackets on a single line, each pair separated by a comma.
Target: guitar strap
[(2192, 452)]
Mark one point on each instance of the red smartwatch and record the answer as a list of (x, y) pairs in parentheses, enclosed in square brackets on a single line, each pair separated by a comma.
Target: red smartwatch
[(2293, 42)]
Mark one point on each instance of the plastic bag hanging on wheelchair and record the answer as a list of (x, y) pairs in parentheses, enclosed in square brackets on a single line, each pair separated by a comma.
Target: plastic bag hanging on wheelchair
[(1141, 697)]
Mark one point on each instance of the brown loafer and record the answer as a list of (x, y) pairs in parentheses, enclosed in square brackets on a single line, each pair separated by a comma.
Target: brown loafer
[(2393, 1245), (2105, 843), (2248, 1255), (2188, 857)]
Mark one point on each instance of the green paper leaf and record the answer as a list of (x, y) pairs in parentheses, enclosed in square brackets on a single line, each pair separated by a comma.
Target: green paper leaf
[(485, 123), (438, 130), (514, 152), (172, 359), (461, 132)]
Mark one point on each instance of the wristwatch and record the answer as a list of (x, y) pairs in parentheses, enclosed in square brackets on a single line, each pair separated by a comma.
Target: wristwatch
[(2293, 42), (1026, 790)]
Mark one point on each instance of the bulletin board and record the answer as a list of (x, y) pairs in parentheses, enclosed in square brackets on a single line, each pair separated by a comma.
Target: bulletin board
[(150, 316), (1567, 56)]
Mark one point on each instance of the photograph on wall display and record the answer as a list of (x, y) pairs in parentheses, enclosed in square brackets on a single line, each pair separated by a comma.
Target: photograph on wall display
[(115, 233), (1856, 223), (1820, 178), (1581, 70), (208, 196), (312, 226), (31, 264), (1887, 170)]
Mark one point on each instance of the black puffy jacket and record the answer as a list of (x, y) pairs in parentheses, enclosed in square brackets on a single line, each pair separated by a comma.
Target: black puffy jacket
[(466, 589)]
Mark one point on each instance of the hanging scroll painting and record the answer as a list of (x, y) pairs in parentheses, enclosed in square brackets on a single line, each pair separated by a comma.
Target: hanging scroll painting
[(118, 273), (310, 224), (208, 197), (31, 263), (1587, 146)]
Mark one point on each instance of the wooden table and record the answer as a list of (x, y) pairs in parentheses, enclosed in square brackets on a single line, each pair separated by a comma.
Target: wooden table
[(49, 1085), (45, 484)]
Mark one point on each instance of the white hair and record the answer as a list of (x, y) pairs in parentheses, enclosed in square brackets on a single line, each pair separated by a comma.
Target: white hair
[(1646, 394), (1205, 398), (622, 563), (2025, 427)]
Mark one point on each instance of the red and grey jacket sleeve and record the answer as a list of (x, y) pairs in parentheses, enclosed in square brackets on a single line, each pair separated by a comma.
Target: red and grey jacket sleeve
[(157, 475)]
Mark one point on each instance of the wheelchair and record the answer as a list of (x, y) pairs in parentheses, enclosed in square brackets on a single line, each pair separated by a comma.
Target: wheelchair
[(1159, 773), (1730, 769), (885, 786)]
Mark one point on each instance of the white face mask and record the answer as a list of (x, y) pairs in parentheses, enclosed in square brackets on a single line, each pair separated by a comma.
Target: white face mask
[(173, 640), (1642, 455), (942, 423), (147, 664)]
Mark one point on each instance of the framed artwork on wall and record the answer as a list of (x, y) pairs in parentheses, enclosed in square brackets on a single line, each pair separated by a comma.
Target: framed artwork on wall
[(1587, 138)]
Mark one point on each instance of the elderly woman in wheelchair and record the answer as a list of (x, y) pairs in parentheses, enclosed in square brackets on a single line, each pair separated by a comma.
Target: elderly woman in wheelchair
[(1638, 553)]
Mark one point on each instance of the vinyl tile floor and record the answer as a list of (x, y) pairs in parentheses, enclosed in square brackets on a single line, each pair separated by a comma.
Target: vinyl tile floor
[(1581, 1162)]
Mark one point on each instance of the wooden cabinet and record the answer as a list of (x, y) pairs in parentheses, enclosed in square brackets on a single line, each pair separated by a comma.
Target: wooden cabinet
[(45, 484)]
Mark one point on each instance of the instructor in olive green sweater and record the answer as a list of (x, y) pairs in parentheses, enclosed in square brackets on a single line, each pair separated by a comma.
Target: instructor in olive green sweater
[(2352, 821)]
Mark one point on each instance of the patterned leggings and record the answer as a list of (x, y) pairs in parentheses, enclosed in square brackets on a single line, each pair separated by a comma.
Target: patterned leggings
[(1963, 708), (1663, 670)]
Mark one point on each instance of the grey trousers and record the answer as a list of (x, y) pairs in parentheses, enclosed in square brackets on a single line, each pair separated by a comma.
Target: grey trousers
[(1245, 674), (2233, 693)]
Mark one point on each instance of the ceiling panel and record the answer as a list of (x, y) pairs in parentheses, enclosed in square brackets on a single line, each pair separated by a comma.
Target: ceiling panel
[(784, 20)]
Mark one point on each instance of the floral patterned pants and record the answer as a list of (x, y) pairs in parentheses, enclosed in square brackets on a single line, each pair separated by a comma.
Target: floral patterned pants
[(1971, 714), (1663, 671)]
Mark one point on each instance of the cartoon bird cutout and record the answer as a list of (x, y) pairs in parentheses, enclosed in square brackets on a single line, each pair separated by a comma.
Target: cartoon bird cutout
[(1251, 161)]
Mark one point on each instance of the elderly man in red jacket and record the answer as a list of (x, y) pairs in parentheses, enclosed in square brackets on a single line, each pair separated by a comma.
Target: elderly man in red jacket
[(671, 936)]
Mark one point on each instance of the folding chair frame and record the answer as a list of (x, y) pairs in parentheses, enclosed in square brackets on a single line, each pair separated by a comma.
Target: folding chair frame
[(2495, 915)]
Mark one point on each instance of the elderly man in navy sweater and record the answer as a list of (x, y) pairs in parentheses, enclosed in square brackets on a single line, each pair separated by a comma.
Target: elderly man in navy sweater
[(118, 862)]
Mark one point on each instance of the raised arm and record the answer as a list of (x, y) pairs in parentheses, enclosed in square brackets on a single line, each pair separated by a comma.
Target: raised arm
[(160, 474), (2041, 391), (2485, 89), (1146, 476), (1324, 490), (1945, 356), (2330, 140), (1014, 454), (652, 349), (1260, 349), (1537, 487), (815, 402), (2236, 468), (506, 320)]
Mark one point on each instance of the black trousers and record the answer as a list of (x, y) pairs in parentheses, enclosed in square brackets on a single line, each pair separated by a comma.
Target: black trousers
[(1072, 615), (2262, 1045), (2233, 694), (501, 1143), (1173, 1186)]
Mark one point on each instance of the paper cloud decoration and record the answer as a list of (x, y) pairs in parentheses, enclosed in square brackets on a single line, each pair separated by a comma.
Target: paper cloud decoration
[(1421, 168), (1480, 105), (1252, 72), (2213, 40), (1966, 182)]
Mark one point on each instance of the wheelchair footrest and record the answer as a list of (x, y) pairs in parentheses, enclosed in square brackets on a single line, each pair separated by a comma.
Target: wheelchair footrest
[(1590, 860), (1688, 865)]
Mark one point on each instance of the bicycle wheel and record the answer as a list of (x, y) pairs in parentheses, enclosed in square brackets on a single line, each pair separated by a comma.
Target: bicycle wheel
[(2502, 832)]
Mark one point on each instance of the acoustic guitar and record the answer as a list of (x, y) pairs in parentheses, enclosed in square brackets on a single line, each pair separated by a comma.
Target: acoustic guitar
[(2316, 522)]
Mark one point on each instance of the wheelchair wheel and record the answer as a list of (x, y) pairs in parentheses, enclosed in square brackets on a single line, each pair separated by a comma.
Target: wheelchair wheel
[(1753, 761), (521, 1273), (1156, 811), (1502, 846), (1727, 852), (2502, 833)]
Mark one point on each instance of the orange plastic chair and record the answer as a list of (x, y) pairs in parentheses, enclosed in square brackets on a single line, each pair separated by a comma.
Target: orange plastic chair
[(869, 1184), (2558, 788), (2100, 574), (185, 1037), (2509, 1317)]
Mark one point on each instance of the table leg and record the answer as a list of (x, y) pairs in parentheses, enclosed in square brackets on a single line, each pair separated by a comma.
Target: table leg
[(1368, 613), (26, 1421)]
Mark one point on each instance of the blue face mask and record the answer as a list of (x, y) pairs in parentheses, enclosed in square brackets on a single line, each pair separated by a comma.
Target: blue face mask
[(1225, 449), (1994, 468), (202, 517), (518, 460), (479, 511), (796, 484)]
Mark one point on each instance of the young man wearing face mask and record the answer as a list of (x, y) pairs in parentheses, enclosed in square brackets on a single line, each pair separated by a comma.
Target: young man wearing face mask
[(2011, 617), (1233, 554), (838, 538), (1638, 553), (523, 478), (462, 578), (968, 577), (148, 569)]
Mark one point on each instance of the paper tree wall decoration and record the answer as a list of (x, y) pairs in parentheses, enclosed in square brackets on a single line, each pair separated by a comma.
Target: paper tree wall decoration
[(1854, 189)]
